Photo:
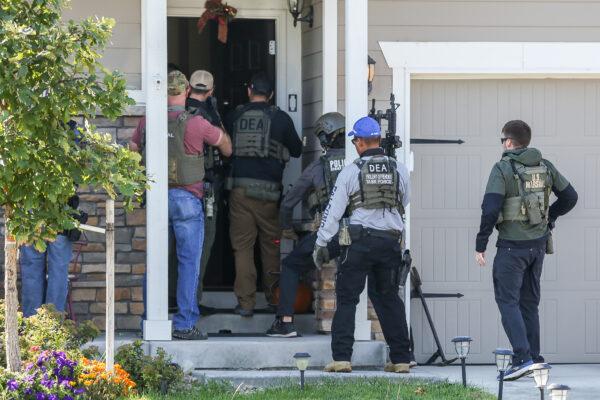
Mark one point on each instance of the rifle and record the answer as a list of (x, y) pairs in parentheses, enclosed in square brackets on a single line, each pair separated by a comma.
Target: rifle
[(391, 141)]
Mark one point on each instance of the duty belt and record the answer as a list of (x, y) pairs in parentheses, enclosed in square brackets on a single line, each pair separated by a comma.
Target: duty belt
[(383, 234)]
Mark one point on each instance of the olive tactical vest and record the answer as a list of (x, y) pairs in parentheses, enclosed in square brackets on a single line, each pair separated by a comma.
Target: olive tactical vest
[(332, 165), (184, 169), (532, 203), (379, 185), (252, 136)]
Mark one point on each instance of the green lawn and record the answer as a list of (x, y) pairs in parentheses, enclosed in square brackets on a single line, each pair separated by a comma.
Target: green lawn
[(346, 389)]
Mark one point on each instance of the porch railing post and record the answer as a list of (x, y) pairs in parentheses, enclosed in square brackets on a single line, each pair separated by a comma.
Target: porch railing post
[(110, 284)]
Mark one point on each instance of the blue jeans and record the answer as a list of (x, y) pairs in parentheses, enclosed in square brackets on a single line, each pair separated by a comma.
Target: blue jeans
[(45, 276), (186, 223)]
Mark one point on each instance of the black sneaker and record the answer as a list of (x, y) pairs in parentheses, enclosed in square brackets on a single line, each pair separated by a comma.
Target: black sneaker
[(282, 329), (189, 334), (243, 312)]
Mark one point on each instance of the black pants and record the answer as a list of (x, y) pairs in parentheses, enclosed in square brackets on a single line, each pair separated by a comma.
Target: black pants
[(517, 275), (297, 263), (378, 258)]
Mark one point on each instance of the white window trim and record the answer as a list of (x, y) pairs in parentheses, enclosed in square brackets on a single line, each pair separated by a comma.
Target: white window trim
[(478, 60)]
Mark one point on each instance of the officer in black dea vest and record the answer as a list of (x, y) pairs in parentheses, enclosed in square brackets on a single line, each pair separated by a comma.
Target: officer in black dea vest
[(373, 190), (201, 102), (264, 138), (517, 203)]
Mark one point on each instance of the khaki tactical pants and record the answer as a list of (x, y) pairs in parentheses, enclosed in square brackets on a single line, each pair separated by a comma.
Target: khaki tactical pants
[(249, 219)]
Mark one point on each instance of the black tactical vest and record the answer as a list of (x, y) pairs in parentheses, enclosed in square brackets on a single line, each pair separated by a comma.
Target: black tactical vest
[(252, 135)]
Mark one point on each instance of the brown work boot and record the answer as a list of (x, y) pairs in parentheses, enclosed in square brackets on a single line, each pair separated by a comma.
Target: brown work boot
[(397, 368), (338, 366)]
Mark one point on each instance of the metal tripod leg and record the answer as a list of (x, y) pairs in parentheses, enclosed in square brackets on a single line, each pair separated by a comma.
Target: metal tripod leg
[(439, 352)]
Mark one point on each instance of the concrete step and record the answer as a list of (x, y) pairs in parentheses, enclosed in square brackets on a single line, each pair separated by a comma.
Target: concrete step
[(259, 323), (227, 300), (253, 353)]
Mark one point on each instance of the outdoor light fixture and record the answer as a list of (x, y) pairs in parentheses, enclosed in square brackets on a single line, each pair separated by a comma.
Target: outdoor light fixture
[(302, 365), (541, 373), (371, 72), (462, 345), (558, 392), (296, 8), (503, 360)]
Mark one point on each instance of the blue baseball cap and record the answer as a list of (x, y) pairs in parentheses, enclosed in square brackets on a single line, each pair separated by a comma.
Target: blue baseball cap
[(365, 127)]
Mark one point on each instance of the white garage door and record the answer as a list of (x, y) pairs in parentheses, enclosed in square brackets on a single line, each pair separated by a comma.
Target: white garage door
[(448, 183)]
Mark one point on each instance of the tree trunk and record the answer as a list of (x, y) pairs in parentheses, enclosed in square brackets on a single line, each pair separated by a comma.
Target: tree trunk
[(11, 302)]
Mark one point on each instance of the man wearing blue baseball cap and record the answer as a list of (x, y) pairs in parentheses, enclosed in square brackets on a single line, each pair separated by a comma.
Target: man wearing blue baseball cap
[(372, 193)]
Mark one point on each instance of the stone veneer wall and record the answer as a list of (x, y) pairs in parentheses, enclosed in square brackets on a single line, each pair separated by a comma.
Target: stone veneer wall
[(88, 288)]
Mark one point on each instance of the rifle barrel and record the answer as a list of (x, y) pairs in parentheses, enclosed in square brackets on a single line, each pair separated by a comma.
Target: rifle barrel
[(436, 141)]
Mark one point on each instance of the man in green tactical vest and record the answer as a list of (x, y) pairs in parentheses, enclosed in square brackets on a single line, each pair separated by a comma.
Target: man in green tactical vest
[(517, 203), (264, 138)]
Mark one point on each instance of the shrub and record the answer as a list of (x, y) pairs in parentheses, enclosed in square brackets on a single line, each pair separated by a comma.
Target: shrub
[(52, 376), (152, 374), (49, 330), (102, 385)]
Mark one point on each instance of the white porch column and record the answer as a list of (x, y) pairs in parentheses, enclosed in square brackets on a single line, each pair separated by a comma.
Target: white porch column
[(157, 325), (356, 100), (330, 55)]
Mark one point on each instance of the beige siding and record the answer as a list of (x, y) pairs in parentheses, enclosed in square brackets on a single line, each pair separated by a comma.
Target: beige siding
[(124, 52)]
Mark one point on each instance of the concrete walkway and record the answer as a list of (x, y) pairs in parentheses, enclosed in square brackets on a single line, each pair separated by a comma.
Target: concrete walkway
[(584, 380)]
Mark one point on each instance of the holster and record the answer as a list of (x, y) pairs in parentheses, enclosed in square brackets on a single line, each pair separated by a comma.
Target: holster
[(345, 237), (550, 244), (405, 266)]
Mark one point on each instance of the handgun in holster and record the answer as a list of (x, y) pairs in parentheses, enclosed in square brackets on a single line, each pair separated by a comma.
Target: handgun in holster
[(404, 268), (209, 199)]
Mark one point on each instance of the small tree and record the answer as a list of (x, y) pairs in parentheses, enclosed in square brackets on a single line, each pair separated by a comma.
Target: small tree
[(51, 72)]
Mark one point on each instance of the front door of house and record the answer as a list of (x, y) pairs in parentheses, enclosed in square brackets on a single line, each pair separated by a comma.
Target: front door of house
[(250, 48)]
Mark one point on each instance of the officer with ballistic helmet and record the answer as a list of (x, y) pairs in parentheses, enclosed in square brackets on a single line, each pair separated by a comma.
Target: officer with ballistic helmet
[(264, 138), (372, 192), (517, 203)]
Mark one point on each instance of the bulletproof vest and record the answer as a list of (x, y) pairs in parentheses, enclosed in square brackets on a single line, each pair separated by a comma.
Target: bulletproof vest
[(332, 165), (379, 185), (184, 169), (531, 204), (252, 136)]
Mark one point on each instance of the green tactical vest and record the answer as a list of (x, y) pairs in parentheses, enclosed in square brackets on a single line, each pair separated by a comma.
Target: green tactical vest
[(532, 203), (332, 165), (252, 136), (379, 185), (184, 169)]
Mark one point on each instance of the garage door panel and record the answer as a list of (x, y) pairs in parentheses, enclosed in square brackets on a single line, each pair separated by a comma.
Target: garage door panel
[(448, 186)]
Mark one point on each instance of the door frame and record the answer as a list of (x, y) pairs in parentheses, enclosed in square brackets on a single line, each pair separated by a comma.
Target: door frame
[(478, 60), (288, 55)]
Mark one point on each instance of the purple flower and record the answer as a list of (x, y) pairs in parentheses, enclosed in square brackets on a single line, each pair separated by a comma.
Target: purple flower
[(67, 397), (40, 396), (28, 391), (53, 397), (12, 385), (47, 382), (79, 391)]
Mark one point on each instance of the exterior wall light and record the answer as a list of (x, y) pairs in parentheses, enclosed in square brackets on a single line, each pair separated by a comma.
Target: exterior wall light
[(302, 364), (371, 72), (296, 8), (541, 373), (503, 360), (462, 345)]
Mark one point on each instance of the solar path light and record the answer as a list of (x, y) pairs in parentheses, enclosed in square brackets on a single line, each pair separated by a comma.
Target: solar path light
[(302, 365), (541, 373), (558, 392), (503, 360), (462, 345)]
